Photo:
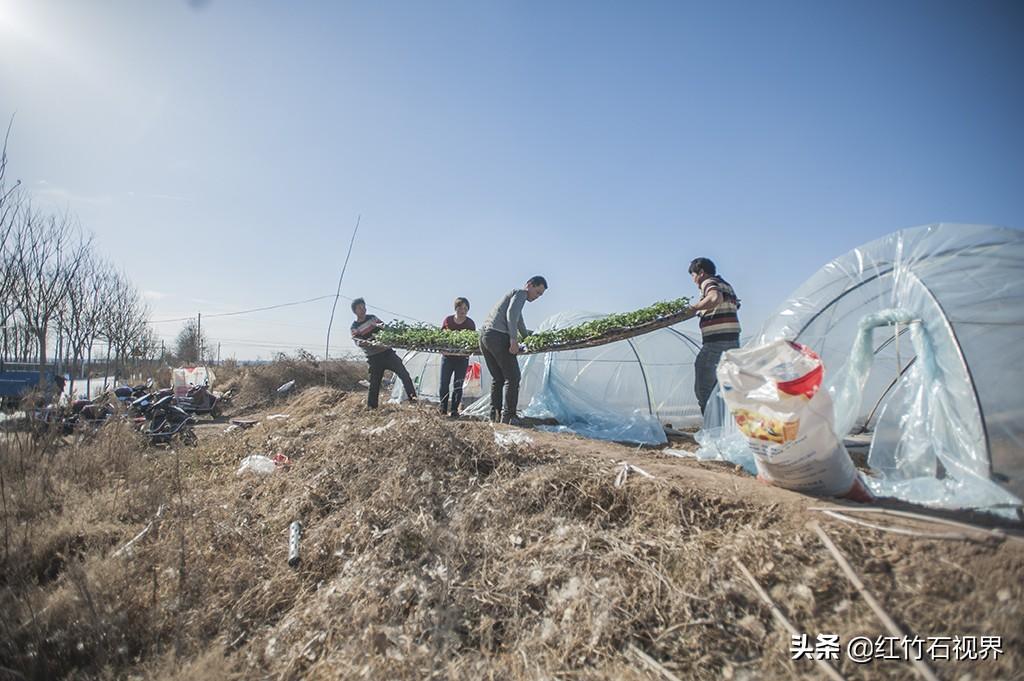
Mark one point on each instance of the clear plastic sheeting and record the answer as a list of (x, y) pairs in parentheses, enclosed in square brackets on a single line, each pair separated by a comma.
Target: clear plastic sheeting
[(922, 336), (627, 391), (425, 370)]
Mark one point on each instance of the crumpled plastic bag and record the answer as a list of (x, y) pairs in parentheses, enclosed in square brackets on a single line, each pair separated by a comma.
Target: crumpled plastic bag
[(256, 463)]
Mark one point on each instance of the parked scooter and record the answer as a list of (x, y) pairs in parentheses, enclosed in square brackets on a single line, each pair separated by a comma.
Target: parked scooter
[(201, 400), (89, 413), (126, 394)]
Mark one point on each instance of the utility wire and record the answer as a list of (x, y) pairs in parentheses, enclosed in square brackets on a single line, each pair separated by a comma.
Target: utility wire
[(280, 305), (255, 309)]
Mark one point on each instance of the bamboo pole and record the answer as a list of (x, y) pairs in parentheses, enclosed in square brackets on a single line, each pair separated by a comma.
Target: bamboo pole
[(920, 667)]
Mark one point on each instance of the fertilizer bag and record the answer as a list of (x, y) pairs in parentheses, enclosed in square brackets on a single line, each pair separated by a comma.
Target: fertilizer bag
[(772, 392)]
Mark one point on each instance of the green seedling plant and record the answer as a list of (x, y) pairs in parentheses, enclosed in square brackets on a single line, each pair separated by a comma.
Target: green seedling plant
[(427, 337)]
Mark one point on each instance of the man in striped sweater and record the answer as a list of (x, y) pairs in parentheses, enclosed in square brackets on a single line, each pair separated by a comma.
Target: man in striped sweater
[(719, 325)]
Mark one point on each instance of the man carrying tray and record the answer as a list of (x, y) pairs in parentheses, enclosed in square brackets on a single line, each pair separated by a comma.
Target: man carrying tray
[(719, 326), (499, 343), (379, 358)]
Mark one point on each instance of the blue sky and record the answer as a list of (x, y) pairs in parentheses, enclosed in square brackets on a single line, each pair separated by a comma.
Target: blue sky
[(220, 151)]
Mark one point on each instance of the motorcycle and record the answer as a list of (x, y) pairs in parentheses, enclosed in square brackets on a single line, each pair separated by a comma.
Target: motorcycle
[(164, 421)]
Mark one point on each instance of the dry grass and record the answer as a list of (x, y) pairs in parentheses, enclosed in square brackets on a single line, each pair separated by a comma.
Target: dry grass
[(256, 386), (431, 551)]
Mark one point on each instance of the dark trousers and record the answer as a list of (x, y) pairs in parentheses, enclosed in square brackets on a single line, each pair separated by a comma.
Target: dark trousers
[(381, 362), (504, 369), (452, 367), (704, 369)]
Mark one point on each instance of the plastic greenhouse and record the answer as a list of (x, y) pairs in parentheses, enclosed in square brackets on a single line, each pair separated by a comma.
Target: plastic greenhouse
[(628, 390), (922, 336)]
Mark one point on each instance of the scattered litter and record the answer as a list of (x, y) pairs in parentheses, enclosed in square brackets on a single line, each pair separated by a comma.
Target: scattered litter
[(257, 463), (275, 417), (126, 550), (294, 535), (378, 429), (508, 438), (281, 460), (363, 382), (678, 453), (626, 469), (244, 423), (287, 386)]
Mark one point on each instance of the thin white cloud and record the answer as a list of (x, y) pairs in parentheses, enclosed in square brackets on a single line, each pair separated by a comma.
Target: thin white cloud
[(159, 197), (167, 197), (61, 195)]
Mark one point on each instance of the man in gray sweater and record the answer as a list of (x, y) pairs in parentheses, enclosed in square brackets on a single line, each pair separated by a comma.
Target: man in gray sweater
[(499, 343)]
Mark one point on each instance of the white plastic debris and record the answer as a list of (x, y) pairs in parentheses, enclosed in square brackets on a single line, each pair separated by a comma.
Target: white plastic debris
[(256, 463), (276, 417), (287, 386), (626, 469), (378, 429), (508, 438)]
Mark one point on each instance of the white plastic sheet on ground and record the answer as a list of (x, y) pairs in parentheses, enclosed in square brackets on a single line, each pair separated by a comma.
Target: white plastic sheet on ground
[(626, 391), (922, 336)]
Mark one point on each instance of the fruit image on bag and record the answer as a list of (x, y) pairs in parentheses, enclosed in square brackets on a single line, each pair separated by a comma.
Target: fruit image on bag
[(773, 394)]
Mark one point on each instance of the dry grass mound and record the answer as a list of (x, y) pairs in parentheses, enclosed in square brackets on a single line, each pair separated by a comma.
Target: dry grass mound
[(432, 551), (256, 386)]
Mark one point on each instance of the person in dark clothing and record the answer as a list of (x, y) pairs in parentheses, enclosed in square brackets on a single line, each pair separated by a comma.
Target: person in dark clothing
[(499, 343), (455, 365), (719, 326), (380, 359)]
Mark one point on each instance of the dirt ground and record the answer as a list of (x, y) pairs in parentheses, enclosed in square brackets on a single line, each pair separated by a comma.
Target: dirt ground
[(441, 549)]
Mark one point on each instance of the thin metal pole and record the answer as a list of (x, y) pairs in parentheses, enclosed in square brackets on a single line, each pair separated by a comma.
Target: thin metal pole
[(327, 346)]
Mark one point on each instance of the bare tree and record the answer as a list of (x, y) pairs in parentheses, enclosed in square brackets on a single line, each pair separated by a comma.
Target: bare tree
[(47, 252), (85, 309), (124, 321), (10, 201), (188, 344), (55, 290)]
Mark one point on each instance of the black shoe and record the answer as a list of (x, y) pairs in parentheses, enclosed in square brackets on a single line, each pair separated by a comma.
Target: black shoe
[(511, 420)]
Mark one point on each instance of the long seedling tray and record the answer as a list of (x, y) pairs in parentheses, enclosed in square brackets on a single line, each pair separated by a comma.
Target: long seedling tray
[(608, 336)]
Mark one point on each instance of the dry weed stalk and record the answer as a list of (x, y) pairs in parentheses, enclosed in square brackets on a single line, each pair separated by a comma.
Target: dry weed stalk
[(428, 551)]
